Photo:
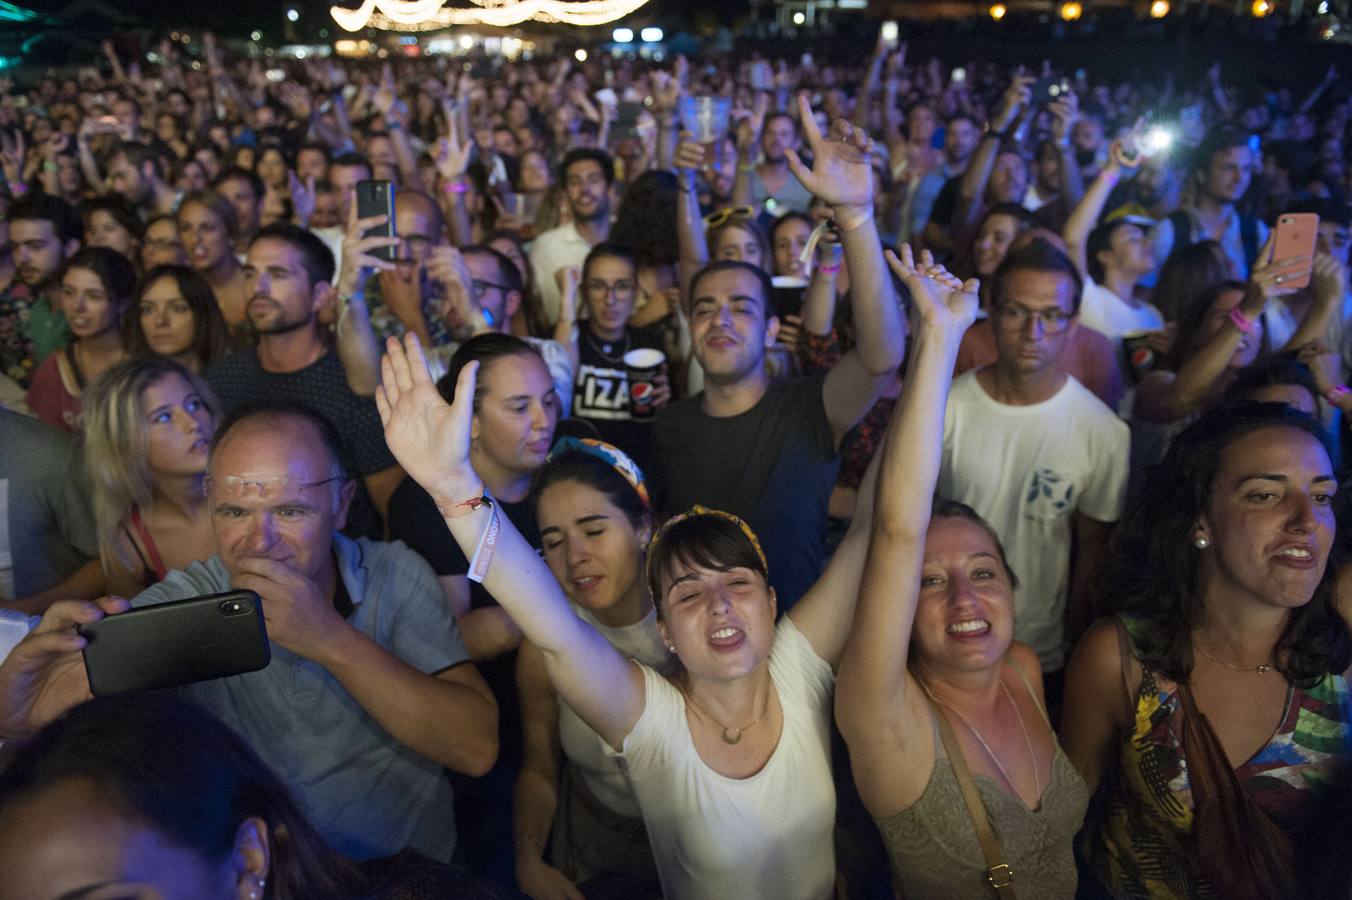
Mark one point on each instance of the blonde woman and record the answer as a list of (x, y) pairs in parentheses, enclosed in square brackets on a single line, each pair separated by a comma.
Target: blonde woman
[(148, 425)]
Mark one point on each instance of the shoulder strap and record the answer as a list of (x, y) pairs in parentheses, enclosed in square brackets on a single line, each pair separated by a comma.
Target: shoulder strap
[(156, 564), (1031, 693), (998, 873)]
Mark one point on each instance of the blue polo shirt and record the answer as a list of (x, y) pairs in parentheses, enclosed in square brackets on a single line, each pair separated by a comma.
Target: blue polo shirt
[(367, 794)]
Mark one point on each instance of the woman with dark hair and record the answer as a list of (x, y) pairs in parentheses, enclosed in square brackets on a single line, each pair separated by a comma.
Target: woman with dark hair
[(96, 289), (207, 227), (156, 797), (530, 319), (592, 507), (1282, 379), (788, 236), (177, 318), (730, 758), (933, 688), (646, 221), (1186, 273), (111, 222), (1223, 673)]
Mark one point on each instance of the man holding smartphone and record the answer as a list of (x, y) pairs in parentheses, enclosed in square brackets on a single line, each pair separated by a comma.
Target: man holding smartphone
[(370, 691)]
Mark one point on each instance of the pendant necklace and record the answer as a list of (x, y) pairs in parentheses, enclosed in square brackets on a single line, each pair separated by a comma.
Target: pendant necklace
[(1266, 667), (730, 735), (1028, 742)]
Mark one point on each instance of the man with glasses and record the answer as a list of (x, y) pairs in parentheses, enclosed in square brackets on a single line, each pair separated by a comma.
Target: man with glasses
[(1034, 452)]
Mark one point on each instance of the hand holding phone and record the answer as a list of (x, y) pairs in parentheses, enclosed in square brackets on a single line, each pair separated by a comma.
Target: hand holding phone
[(176, 643), (376, 198), (1294, 238)]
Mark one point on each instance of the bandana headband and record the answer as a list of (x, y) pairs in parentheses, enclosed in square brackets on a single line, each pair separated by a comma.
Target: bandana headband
[(609, 454)]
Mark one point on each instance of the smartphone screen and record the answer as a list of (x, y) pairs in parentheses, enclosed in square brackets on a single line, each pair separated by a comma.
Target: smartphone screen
[(376, 198), (890, 32), (1296, 236), (959, 75)]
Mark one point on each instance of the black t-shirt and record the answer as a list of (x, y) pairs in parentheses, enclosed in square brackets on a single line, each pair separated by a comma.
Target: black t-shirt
[(601, 390), (239, 379), (946, 203), (773, 465)]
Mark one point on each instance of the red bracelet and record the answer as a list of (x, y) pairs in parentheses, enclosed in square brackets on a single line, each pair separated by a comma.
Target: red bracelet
[(465, 507), (829, 270), (1336, 393), (1241, 321)]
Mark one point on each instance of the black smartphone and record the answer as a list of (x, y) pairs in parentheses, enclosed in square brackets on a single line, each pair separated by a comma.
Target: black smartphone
[(175, 643), (376, 198), (625, 127), (1045, 90)]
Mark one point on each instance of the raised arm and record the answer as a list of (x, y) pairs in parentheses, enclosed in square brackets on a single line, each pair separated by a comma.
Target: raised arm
[(690, 237), (1086, 213), (841, 175), (972, 188), (1328, 283), (876, 703), (431, 440), (452, 159)]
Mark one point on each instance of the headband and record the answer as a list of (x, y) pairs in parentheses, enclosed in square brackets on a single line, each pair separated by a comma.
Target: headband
[(609, 454), (698, 510)]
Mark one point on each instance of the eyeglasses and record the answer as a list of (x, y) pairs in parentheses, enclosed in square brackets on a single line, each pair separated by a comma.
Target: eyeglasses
[(721, 216), (599, 290), (1014, 317), (265, 488), (479, 287)]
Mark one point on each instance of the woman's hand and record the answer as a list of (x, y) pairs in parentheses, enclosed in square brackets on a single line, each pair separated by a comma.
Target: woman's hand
[(842, 170), (429, 437), (942, 301), (1266, 278)]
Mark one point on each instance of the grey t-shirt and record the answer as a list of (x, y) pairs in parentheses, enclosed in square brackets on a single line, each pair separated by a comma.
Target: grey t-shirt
[(367, 794), (46, 527)]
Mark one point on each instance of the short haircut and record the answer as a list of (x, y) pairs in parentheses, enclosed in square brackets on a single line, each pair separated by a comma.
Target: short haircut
[(40, 207), (315, 147), (237, 172), (122, 212), (486, 350), (1038, 256), (735, 265), (1217, 141), (609, 250), (315, 254), (1101, 239), (960, 117), (781, 114), (707, 540), (273, 410), (508, 273), (580, 154), (137, 155), (351, 161), (1278, 371), (438, 219)]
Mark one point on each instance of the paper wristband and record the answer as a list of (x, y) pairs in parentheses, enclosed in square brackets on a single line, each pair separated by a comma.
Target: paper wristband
[(483, 554)]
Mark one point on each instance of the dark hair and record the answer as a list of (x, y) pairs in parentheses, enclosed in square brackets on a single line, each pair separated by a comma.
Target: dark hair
[(137, 155), (782, 114), (736, 265), (210, 334), (180, 769), (317, 257), (956, 509), (1185, 274), (113, 269), (1037, 256), (707, 540), (608, 250), (578, 154), (595, 473), (1279, 370), (791, 216), (1218, 141), (121, 211), (1192, 318), (1100, 240), (350, 161), (237, 172), (486, 349), (647, 217), (221, 207), (1154, 573), (315, 147), (509, 274), (40, 207), (1024, 220), (283, 409)]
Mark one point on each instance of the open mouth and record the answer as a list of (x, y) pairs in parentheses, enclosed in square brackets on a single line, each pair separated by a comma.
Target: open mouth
[(969, 628)]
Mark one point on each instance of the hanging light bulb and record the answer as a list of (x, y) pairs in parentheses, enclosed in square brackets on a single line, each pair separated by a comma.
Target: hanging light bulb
[(998, 11), (1159, 9), (1071, 11)]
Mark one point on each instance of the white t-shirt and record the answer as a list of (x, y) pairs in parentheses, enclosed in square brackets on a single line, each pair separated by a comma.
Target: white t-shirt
[(1112, 317), (551, 251), (1026, 469), (584, 748), (768, 835)]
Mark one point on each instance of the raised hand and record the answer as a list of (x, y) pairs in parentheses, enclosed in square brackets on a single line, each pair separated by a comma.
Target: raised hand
[(1065, 110), (941, 300), (304, 197), (452, 156), (358, 262), (841, 173), (1018, 95), (429, 437)]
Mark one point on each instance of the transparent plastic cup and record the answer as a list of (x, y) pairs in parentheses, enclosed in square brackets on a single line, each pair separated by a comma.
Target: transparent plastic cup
[(706, 119)]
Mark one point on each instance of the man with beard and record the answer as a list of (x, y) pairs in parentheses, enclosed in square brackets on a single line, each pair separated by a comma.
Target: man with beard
[(586, 175), (43, 232), (136, 172), (245, 191), (288, 279), (1225, 164), (771, 179)]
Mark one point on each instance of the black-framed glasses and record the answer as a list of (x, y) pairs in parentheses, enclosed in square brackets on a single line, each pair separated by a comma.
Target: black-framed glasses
[(1014, 317), (600, 289), (479, 287)]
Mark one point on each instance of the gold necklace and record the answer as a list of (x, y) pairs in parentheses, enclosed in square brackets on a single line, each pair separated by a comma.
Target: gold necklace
[(1266, 667), (736, 733)]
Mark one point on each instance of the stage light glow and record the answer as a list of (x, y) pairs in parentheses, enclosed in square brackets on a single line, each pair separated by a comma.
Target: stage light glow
[(1071, 11), (1159, 9), (998, 11)]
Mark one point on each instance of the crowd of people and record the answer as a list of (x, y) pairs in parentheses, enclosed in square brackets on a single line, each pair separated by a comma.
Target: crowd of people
[(769, 478)]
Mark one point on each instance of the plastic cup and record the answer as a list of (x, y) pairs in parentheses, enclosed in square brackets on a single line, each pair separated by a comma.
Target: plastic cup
[(642, 367), (706, 119)]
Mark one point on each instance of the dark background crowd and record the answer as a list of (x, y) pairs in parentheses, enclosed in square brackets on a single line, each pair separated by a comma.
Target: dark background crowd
[(668, 468)]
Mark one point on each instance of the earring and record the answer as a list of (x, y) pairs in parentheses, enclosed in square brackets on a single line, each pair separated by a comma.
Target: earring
[(671, 647), (1201, 542), (257, 890)]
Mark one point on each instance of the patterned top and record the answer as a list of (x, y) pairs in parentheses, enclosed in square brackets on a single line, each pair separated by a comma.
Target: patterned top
[(30, 330), (1141, 846), (819, 353)]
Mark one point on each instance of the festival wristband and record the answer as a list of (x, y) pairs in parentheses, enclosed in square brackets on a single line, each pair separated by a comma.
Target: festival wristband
[(483, 554), (456, 187), (1241, 321), (1336, 393), (850, 223), (829, 270)]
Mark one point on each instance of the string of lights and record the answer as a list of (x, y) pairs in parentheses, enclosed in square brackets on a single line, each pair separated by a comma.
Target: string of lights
[(428, 15)]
